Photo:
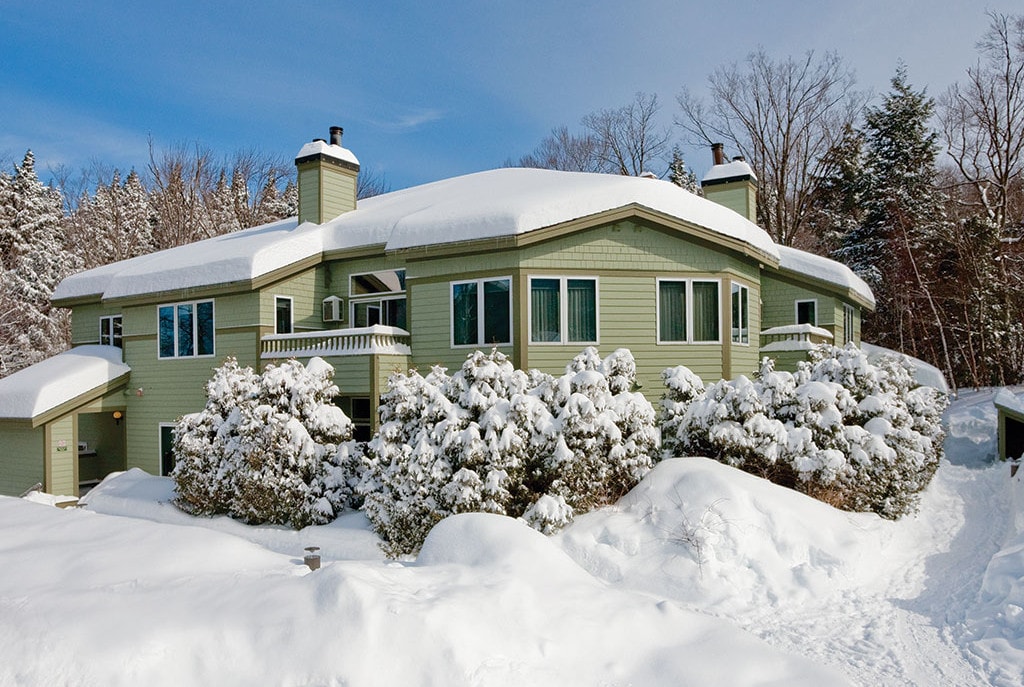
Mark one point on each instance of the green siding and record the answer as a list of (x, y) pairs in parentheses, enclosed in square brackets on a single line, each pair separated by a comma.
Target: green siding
[(307, 293), (21, 458), (63, 453), (738, 196), (106, 437), (85, 322), (780, 297), (325, 191)]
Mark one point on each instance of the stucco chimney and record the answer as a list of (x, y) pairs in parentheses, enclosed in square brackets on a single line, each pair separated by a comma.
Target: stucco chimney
[(328, 176)]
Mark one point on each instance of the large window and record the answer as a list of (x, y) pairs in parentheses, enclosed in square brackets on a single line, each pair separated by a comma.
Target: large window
[(740, 314), (378, 298), (110, 331), (848, 323), (807, 312), (282, 315), (688, 311), (482, 312), (186, 329), (563, 310)]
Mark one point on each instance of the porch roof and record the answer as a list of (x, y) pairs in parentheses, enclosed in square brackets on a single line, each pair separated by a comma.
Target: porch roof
[(47, 385)]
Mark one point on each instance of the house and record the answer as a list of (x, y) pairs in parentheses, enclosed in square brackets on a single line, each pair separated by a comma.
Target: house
[(537, 263)]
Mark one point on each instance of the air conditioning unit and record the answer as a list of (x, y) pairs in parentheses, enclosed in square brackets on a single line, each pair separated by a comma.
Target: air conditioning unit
[(334, 309)]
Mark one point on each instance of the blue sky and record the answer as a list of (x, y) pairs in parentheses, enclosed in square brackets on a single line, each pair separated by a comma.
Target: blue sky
[(424, 90)]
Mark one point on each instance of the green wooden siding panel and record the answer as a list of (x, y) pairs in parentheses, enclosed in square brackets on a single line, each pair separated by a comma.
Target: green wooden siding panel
[(780, 297), (106, 437), (85, 322), (307, 293), (63, 454), (21, 458)]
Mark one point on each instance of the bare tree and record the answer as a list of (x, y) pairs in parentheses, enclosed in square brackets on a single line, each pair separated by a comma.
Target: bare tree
[(181, 178), (983, 122), (564, 151), (629, 138), (371, 182), (783, 117)]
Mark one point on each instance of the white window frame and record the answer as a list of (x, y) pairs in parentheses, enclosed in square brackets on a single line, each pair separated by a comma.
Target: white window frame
[(849, 315), (291, 314), (742, 287), (480, 310), (375, 301), (195, 330), (689, 281), (106, 320), (352, 277), (563, 311), (796, 310)]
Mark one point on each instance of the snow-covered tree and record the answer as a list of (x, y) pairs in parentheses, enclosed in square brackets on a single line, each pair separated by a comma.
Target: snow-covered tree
[(266, 448), (858, 435), (681, 175), (33, 260), (494, 439)]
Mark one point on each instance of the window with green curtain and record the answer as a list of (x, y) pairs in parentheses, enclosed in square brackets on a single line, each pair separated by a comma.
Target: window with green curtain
[(740, 315), (497, 311), (705, 311), (672, 311), (545, 319), (581, 297), (464, 314)]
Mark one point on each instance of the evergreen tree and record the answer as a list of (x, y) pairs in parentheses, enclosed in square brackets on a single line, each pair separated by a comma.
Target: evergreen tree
[(680, 175), (34, 258), (899, 240)]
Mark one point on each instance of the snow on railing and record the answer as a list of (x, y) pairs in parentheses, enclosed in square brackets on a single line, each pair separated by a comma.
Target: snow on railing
[(793, 337), (375, 340)]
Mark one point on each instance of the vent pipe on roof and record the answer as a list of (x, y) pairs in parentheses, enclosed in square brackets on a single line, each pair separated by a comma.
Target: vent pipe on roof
[(336, 132), (718, 153)]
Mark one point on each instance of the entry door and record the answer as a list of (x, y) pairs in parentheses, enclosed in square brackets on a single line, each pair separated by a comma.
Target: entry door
[(166, 449)]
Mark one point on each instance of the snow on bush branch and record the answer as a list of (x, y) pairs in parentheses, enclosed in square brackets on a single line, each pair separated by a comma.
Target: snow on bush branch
[(268, 448), (495, 439), (863, 437)]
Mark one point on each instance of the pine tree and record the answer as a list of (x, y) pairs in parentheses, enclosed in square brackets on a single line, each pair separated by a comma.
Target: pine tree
[(680, 175), (902, 234), (34, 260)]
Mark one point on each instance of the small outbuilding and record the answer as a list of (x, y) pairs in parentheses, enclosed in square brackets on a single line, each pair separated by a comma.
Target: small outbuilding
[(1011, 424), (63, 421)]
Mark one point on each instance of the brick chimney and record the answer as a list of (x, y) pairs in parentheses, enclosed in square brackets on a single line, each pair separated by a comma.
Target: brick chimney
[(328, 176)]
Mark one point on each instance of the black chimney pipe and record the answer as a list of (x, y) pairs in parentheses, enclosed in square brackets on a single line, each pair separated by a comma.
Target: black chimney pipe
[(336, 132), (718, 153)]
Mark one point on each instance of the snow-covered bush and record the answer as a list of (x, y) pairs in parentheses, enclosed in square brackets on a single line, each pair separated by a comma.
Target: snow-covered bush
[(265, 449), (495, 439), (861, 436)]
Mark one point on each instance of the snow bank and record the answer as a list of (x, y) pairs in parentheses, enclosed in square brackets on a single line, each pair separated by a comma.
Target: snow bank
[(715, 537), (924, 373), (34, 390)]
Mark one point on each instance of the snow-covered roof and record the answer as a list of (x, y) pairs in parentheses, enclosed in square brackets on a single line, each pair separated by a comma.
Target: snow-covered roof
[(729, 170), (320, 147), (826, 270), (497, 203), (30, 392), (1008, 401)]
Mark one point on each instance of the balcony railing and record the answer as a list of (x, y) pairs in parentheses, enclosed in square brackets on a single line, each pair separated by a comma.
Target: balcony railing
[(375, 340), (794, 337)]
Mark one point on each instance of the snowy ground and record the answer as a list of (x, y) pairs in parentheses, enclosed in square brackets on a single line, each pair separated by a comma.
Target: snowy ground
[(703, 575)]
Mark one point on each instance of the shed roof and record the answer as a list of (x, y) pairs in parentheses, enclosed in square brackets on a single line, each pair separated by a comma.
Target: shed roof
[(35, 390)]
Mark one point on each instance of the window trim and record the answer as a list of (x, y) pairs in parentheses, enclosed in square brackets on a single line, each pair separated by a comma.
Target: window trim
[(849, 313), (689, 281), (563, 312), (120, 338), (376, 300), (742, 287), (291, 314), (480, 334), (195, 330), (796, 311)]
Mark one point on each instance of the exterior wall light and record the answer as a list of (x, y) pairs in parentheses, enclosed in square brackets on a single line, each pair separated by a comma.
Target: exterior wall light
[(117, 416)]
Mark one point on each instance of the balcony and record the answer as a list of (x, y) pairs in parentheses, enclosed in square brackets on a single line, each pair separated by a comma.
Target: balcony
[(794, 337), (375, 340)]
